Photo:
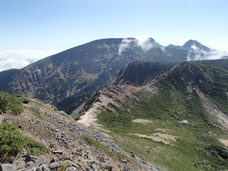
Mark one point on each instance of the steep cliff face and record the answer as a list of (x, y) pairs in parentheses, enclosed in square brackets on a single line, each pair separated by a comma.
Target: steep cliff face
[(67, 78)]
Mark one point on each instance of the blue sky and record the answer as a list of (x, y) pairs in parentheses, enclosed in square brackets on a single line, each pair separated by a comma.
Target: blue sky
[(45, 25)]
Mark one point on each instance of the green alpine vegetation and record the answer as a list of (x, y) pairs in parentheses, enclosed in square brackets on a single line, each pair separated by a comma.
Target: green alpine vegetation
[(12, 142), (12, 103), (173, 127)]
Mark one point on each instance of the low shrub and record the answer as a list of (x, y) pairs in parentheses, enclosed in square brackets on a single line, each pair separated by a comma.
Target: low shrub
[(12, 142)]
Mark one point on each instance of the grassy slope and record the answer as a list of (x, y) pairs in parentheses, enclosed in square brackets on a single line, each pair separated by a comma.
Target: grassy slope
[(11, 139), (12, 142), (197, 147), (11, 103), (221, 63)]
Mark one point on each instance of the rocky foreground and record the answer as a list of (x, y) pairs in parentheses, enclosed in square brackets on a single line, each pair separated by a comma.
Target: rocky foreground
[(70, 145)]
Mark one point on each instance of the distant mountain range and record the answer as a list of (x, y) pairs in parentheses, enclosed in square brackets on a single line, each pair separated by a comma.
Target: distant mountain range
[(68, 78)]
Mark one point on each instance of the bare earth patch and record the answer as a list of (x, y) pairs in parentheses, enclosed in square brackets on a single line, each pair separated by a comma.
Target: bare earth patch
[(107, 97), (225, 142), (184, 122), (142, 121), (159, 137), (89, 117), (162, 130)]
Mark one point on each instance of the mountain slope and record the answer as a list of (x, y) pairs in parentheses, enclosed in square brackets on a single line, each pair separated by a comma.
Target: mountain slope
[(68, 78), (222, 63), (140, 73), (35, 136), (178, 120)]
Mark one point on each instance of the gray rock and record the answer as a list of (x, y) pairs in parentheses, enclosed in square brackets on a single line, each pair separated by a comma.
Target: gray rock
[(30, 163), (65, 156), (20, 163), (55, 165), (71, 169), (33, 166), (54, 159), (75, 166), (43, 167), (7, 167)]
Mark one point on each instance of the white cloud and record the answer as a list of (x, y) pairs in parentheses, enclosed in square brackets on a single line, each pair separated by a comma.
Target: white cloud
[(205, 55), (142, 41), (11, 59), (124, 45), (194, 47)]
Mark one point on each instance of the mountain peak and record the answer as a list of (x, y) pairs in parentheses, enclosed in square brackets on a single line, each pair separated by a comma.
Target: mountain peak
[(195, 45)]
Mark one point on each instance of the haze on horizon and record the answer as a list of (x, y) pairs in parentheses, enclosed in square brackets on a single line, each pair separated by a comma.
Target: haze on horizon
[(31, 30)]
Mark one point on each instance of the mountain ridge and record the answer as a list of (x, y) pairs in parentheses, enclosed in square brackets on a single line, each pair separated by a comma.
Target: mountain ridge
[(67, 78), (142, 115), (182, 113)]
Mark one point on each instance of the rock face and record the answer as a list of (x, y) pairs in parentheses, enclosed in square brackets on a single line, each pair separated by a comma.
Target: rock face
[(67, 78)]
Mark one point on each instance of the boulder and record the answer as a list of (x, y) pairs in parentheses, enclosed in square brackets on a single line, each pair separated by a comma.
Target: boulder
[(64, 156), (7, 167), (55, 165)]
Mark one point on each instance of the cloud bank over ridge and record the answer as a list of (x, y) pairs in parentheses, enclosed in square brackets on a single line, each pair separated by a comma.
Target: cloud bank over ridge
[(146, 43), (200, 54), (16, 59)]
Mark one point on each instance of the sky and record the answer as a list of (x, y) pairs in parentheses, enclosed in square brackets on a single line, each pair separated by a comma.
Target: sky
[(33, 29)]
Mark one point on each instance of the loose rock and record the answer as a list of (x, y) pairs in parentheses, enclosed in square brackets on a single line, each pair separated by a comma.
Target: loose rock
[(7, 167)]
